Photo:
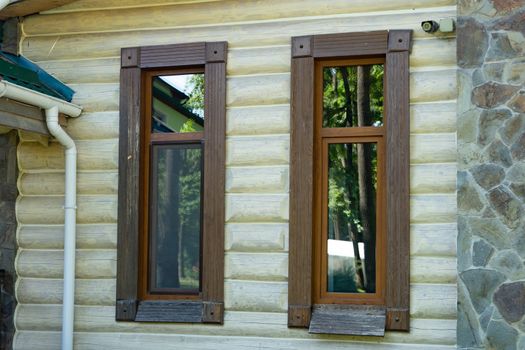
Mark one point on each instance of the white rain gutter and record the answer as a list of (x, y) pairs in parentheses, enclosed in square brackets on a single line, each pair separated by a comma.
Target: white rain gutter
[(53, 106)]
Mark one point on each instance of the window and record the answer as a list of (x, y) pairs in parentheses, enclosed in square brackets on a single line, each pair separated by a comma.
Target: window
[(170, 263), (349, 193)]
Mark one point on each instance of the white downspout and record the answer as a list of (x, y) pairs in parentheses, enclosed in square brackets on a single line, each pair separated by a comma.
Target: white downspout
[(53, 106), (70, 208)]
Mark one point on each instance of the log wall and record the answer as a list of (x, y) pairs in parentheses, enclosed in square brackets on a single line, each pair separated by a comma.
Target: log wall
[(80, 44)]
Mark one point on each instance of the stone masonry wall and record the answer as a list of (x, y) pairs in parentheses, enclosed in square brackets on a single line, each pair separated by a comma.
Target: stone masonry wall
[(491, 174), (8, 194)]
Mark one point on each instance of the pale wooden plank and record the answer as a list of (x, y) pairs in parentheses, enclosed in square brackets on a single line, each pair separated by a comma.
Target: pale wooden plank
[(433, 148), (248, 237), (92, 155), (88, 183), (45, 318), (439, 332), (433, 301), (257, 90), (207, 14), (96, 97), (256, 208), (433, 239), (257, 120), (50, 291), (259, 60), (94, 126), (433, 209), (437, 117), (271, 179), (49, 209), (433, 178), (50, 263), (99, 45), (91, 5), (256, 266), (255, 296), (424, 269), (89, 236), (435, 85), (433, 52), (98, 70), (258, 150)]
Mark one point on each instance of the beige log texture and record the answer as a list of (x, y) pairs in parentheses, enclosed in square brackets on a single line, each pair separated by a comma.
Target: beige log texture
[(92, 155), (101, 319), (271, 33), (216, 13), (437, 117), (257, 183), (50, 291), (89, 236), (433, 208), (258, 150), (256, 266), (433, 239), (424, 269), (258, 237), (257, 179), (435, 329), (256, 208), (258, 120), (40, 184), (50, 263), (49, 209)]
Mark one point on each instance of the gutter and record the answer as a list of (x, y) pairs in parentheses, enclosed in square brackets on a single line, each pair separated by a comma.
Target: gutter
[(53, 106)]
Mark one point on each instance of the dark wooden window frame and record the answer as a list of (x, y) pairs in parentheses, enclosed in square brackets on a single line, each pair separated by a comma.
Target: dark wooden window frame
[(394, 47), (134, 62)]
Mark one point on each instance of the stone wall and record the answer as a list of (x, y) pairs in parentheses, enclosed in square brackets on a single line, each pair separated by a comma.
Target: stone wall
[(491, 174), (8, 194)]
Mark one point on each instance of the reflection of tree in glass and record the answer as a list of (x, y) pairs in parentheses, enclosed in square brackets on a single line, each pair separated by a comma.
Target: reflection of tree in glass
[(195, 86), (178, 218), (353, 96)]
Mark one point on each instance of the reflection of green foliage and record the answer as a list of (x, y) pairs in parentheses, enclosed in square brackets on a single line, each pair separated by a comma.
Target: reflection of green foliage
[(188, 126), (335, 105), (341, 99), (196, 97)]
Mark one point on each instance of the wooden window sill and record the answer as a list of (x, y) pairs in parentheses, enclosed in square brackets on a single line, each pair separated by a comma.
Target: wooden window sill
[(348, 320)]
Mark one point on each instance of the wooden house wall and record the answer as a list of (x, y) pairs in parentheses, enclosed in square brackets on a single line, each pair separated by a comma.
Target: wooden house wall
[(80, 44)]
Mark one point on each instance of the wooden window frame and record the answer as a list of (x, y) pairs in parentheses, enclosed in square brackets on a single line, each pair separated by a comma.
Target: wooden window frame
[(135, 62), (394, 47)]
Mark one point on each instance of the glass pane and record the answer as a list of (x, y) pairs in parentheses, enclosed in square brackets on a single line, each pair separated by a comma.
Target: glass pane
[(353, 96), (176, 216), (178, 103), (352, 184)]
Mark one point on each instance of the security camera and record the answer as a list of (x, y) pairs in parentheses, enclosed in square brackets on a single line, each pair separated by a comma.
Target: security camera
[(430, 26)]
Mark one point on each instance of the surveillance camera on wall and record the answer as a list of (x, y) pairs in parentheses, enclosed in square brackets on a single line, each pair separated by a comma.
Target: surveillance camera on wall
[(430, 26)]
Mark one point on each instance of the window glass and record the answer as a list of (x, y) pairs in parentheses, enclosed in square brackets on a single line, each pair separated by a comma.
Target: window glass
[(351, 219), (175, 214), (178, 103), (353, 96)]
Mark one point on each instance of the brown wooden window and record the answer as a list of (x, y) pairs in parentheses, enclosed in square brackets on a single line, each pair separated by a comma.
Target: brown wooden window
[(171, 183), (349, 208)]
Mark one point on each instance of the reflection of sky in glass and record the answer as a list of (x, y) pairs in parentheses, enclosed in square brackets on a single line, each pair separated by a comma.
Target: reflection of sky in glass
[(179, 82), (182, 83)]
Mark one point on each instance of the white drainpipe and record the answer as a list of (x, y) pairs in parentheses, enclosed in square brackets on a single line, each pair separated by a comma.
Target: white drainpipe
[(54, 106)]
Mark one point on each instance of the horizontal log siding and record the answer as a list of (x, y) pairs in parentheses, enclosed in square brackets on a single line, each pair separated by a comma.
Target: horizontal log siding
[(80, 44)]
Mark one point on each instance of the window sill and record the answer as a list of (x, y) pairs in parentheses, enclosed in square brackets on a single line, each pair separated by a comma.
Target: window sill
[(177, 311), (348, 320)]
